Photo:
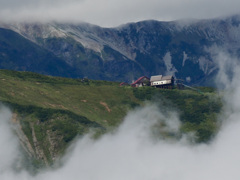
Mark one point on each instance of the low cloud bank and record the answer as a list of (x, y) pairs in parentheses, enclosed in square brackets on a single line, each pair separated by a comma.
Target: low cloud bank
[(133, 151), (114, 12)]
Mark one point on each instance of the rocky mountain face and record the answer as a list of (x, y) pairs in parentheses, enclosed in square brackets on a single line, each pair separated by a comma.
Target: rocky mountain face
[(180, 48)]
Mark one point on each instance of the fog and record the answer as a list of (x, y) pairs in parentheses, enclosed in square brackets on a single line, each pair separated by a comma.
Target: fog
[(115, 12), (133, 152)]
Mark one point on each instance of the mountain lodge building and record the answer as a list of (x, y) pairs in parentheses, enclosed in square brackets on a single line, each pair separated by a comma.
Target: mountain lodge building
[(142, 81), (165, 82)]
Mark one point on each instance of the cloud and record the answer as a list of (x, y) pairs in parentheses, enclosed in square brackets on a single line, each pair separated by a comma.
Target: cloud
[(133, 151), (9, 153), (114, 12)]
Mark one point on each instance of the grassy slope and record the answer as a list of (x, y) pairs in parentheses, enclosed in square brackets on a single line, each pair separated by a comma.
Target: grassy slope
[(57, 109), (83, 98)]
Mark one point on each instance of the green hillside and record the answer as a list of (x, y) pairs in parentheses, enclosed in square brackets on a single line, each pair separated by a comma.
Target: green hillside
[(99, 101), (51, 111)]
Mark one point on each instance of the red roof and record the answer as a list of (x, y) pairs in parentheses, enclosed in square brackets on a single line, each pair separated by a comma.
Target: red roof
[(139, 79), (123, 83)]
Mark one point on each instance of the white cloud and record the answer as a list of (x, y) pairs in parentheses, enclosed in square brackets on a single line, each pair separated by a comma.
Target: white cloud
[(9, 143), (114, 12)]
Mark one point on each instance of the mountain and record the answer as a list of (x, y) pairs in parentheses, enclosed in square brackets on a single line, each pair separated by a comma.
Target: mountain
[(180, 48), (19, 53), (49, 112)]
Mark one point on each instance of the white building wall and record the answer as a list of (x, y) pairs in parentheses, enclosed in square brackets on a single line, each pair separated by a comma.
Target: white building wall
[(155, 83)]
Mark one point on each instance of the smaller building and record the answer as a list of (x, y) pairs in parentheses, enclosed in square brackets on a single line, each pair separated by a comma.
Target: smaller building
[(142, 81), (159, 81)]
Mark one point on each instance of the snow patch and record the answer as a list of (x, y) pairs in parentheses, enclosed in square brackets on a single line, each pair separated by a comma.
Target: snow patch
[(206, 65), (185, 57), (171, 70), (203, 64), (188, 79)]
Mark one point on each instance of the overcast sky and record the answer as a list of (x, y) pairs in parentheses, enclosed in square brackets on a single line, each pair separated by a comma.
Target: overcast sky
[(110, 13)]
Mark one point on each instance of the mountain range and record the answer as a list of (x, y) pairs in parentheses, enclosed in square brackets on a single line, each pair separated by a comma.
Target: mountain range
[(181, 48)]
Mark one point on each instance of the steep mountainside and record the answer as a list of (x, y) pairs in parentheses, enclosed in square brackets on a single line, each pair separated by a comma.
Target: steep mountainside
[(18, 53), (124, 53)]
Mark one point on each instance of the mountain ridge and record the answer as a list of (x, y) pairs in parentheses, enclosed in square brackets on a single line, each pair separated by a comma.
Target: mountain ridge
[(131, 50), (50, 112)]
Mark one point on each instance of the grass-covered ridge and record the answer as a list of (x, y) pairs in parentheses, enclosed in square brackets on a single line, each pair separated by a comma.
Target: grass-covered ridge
[(100, 101), (53, 110)]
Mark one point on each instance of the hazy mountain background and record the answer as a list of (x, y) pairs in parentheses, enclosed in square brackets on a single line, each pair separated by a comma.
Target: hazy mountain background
[(183, 48)]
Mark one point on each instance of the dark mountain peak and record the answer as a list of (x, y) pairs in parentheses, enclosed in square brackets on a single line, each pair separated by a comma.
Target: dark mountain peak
[(129, 51)]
